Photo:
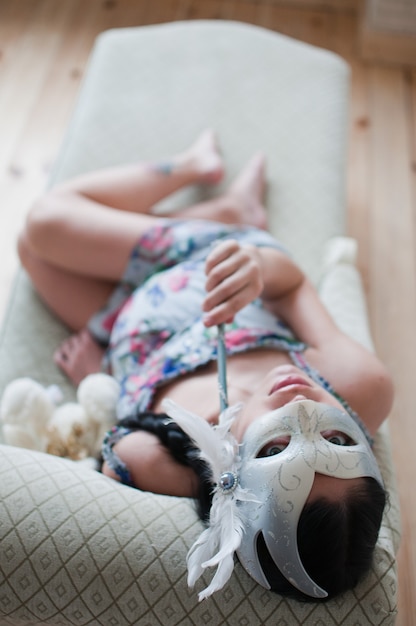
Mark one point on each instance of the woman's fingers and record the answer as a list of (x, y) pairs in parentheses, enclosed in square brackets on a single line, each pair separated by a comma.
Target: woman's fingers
[(222, 261), (224, 312), (233, 280), (243, 279)]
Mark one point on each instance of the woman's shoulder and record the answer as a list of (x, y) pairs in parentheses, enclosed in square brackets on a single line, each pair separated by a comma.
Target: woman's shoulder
[(357, 375)]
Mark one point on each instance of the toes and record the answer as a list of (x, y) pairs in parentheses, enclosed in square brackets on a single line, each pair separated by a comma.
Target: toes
[(62, 355), (214, 175), (78, 356), (65, 354), (58, 357)]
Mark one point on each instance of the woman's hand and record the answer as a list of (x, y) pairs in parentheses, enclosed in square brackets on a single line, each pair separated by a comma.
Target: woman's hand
[(234, 279)]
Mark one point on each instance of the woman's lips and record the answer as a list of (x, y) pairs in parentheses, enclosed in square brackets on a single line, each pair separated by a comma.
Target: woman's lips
[(289, 381)]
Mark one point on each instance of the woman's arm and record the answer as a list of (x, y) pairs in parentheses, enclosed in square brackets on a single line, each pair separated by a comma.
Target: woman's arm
[(151, 466), (355, 372), (237, 274)]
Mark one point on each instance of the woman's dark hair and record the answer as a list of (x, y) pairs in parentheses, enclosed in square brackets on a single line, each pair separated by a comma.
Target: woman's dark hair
[(336, 539)]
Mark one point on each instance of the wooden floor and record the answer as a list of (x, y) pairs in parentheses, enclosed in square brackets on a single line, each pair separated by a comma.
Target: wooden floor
[(44, 46)]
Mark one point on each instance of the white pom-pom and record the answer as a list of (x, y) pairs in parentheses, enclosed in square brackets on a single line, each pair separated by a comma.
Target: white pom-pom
[(98, 394)]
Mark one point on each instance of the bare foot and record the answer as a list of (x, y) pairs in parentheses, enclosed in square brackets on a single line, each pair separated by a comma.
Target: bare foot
[(204, 158), (79, 356), (247, 192)]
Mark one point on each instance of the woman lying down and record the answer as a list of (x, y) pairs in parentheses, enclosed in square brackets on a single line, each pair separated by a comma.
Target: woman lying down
[(287, 480)]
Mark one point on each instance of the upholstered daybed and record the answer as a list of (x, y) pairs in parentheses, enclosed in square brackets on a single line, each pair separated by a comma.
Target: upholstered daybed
[(76, 547)]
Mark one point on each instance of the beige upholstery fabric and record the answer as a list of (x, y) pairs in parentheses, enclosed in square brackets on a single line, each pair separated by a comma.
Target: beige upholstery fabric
[(75, 547)]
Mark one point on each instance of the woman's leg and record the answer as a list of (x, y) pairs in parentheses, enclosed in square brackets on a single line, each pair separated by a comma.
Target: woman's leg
[(73, 297), (78, 236), (103, 237), (76, 249), (101, 215), (139, 186), (242, 203)]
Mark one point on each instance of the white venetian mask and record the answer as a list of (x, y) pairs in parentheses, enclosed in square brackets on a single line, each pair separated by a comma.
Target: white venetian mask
[(282, 483), (266, 494)]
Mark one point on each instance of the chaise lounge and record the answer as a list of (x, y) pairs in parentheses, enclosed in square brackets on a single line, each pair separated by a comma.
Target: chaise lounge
[(77, 547)]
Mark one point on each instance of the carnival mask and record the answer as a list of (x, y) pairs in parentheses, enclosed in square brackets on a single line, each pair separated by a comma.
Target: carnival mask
[(282, 482), (266, 494)]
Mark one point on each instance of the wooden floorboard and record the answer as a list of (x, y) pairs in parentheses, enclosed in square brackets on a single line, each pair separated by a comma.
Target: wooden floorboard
[(392, 283), (44, 48)]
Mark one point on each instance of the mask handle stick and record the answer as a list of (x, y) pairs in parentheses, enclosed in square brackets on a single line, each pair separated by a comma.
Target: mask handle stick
[(222, 374)]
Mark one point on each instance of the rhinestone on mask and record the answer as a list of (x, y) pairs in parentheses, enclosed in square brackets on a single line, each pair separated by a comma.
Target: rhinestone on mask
[(228, 482)]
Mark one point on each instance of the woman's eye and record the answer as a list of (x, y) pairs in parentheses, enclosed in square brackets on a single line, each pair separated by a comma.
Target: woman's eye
[(274, 447), (337, 438), (272, 450)]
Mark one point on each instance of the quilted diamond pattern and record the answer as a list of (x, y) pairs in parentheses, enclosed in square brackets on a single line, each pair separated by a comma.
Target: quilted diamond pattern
[(76, 545)]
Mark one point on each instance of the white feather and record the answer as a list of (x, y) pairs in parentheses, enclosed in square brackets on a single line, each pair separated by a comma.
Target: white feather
[(196, 427), (218, 447), (217, 544)]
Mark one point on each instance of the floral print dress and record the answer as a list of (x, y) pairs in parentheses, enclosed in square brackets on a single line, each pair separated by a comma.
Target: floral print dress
[(152, 324)]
